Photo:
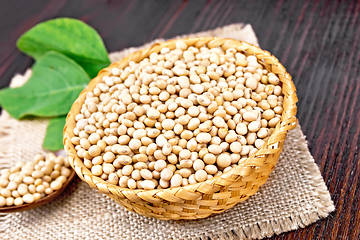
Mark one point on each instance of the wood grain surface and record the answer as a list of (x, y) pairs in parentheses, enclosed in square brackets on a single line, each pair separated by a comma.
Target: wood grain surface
[(316, 40)]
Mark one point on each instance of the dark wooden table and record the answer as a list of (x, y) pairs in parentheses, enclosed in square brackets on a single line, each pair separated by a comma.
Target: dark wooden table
[(317, 41)]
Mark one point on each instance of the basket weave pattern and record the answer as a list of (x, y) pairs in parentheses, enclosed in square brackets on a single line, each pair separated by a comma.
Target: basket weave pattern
[(216, 194)]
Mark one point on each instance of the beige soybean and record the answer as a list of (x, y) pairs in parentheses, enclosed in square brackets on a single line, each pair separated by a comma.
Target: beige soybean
[(254, 126), (146, 174), (148, 184), (223, 160), (211, 169), (200, 175), (166, 174), (176, 180), (198, 165)]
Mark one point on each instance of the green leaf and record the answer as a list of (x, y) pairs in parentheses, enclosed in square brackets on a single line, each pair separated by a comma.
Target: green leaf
[(55, 83), (54, 134), (71, 37)]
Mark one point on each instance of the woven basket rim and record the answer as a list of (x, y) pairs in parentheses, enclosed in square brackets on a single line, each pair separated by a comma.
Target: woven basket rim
[(287, 122)]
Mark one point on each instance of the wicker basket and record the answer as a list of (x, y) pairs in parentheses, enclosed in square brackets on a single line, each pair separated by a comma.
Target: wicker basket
[(216, 194)]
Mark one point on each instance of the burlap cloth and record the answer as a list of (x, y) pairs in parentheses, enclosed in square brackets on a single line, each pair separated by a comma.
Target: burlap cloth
[(294, 196)]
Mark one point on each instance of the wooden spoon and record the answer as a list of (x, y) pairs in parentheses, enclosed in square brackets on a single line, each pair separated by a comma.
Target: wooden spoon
[(41, 201)]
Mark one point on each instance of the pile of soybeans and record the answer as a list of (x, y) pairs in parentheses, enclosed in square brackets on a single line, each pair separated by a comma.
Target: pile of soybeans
[(178, 117), (28, 182)]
